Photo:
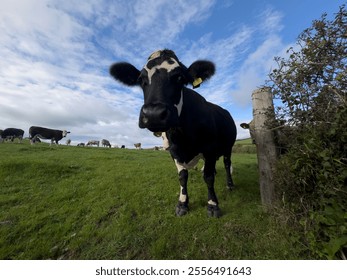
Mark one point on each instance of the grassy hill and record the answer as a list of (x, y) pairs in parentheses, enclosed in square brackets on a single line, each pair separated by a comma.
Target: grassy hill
[(64, 202)]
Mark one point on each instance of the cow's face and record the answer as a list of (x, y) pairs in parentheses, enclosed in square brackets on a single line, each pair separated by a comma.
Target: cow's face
[(65, 133), (162, 80)]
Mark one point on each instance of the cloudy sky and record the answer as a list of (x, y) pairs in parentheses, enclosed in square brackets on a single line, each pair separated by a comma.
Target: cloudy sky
[(55, 56)]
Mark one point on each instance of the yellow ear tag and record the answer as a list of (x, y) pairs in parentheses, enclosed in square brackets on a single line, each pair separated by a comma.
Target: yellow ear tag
[(197, 82)]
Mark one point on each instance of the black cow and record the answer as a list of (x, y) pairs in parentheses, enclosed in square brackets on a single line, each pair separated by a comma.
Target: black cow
[(194, 127), (105, 143), (36, 132), (11, 134)]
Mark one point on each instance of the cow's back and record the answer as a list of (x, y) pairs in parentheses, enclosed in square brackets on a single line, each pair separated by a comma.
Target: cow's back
[(12, 132)]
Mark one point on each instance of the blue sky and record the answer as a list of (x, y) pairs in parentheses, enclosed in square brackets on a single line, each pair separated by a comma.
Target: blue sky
[(55, 57)]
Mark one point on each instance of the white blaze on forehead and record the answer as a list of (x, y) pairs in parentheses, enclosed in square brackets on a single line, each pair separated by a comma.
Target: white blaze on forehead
[(154, 55), (64, 133), (164, 65)]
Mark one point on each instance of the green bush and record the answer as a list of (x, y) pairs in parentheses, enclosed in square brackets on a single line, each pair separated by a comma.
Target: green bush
[(311, 178)]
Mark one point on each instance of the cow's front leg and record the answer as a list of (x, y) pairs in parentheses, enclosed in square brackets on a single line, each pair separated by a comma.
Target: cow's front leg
[(183, 200), (212, 203)]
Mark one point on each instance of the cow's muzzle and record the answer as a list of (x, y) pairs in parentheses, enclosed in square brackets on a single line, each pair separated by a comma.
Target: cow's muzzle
[(158, 117)]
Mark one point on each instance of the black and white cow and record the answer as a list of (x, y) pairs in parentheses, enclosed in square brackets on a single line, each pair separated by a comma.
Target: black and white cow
[(194, 127), (11, 134), (137, 146), (54, 135), (93, 143)]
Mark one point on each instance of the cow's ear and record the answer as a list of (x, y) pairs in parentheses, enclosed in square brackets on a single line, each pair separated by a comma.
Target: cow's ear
[(244, 125), (200, 71), (125, 73)]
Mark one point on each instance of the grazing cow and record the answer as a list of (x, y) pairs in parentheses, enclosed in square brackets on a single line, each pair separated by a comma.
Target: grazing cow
[(194, 127), (137, 146), (54, 135), (93, 142), (11, 134), (122, 147), (80, 145), (105, 143), (68, 142)]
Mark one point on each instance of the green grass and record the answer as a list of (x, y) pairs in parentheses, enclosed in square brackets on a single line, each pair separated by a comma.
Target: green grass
[(98, 203), (244, 146)]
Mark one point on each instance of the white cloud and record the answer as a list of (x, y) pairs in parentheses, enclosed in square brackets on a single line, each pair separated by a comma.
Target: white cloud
[(271, 20), (56, 54)]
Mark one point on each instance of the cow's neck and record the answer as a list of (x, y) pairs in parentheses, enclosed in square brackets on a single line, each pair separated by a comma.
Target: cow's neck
[(179, 106)]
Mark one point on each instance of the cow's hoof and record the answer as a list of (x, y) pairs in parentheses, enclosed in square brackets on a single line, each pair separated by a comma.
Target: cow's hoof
[(181, 209), (230, 185), (214, 211)]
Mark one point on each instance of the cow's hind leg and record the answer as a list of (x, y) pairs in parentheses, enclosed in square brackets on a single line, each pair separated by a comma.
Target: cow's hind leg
[(212, 203), (182, 206), (228, 171)]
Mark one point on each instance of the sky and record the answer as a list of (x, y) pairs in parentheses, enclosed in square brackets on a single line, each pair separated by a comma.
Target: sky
[(55, 57)]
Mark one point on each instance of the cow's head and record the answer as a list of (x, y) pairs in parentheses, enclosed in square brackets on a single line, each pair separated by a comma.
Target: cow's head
[(65, 133), (162, 80)]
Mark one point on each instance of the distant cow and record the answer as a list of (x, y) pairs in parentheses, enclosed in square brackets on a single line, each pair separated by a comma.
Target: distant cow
[(80, 145), (194, 127), (249, 126), (11, 134), (68, 142), (54, 135), (137, 146), (281, 135), (93, 143), (105, 143)]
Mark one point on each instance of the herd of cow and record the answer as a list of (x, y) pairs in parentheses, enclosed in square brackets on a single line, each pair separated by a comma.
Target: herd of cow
[(192, 128), (36, 133)]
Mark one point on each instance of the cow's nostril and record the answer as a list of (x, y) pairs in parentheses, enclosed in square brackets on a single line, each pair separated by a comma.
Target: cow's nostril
[(144, 111), (145, 120)]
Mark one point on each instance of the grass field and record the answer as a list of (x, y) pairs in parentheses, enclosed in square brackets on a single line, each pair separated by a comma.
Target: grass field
[(64, 202)]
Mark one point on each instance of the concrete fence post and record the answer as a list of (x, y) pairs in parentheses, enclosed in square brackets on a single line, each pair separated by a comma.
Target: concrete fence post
[(262, 100)]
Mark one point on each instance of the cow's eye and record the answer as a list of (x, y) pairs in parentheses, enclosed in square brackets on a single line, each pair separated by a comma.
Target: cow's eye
[(142, 81), (176, 78)]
